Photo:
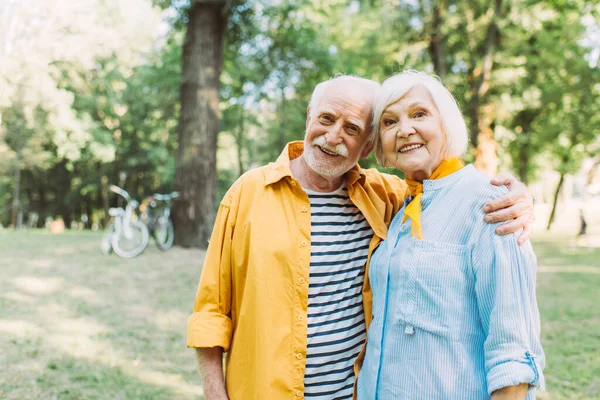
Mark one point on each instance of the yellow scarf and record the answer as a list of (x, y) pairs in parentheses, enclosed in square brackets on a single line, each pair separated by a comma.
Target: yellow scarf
[(413, 209)]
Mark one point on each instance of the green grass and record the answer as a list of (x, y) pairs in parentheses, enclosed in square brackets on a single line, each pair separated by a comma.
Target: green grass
[(569, 301), (78, 325)]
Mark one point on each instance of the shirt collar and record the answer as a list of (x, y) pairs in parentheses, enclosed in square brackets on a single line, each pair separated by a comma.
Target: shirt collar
[(436, 184), (281, 167)]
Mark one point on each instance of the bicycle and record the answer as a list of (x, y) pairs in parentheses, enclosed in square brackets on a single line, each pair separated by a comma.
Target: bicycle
[(159, 221), (126, 236)]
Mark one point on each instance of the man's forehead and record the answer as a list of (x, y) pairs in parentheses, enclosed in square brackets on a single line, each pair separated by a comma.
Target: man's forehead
[(350, 88), (347, 94)]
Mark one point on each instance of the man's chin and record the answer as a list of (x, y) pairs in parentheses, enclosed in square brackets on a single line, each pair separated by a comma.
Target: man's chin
[(327, 172)]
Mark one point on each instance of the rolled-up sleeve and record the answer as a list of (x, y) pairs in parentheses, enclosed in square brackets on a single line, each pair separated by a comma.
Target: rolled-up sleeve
[(505, 276), (210, 325)]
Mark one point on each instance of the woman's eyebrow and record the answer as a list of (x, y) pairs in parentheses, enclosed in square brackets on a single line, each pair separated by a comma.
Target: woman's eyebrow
[(418, 104)]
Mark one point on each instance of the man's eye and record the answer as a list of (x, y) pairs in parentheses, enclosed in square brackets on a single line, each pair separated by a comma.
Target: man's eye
[(419, 114), (353, 129), (326, 119)]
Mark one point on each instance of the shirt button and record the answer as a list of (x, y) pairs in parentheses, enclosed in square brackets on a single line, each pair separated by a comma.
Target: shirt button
[(301, 281), (298, 356), (304, 209), (300, 318), (299, 393), (293, 183), (409, 330), (304, 243)]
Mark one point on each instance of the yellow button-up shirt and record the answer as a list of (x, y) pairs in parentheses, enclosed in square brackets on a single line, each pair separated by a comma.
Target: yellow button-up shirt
[(253, 292)]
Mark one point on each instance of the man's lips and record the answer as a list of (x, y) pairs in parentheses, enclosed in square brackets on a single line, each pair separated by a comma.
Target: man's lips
[(328, 152), (410, 147)]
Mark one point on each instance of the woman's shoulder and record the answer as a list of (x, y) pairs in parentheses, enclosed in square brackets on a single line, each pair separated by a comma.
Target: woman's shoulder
[(477, 185)]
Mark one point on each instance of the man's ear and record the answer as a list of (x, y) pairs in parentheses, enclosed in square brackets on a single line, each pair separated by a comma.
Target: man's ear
[(367, 150), (307, 116)]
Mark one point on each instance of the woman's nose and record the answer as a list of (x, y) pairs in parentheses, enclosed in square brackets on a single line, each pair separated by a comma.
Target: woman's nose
[(405, 129)]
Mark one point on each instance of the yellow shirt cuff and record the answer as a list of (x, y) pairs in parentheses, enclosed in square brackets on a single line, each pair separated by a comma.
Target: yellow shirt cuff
[(209, 329)]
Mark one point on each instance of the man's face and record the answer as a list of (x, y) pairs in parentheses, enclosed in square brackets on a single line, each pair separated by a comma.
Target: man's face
[(337, 130)]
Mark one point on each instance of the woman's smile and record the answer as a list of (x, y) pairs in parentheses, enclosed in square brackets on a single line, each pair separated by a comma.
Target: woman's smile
[(409, 148)]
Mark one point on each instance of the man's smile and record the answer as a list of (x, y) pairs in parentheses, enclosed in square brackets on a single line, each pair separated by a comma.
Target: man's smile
[(329, 152)]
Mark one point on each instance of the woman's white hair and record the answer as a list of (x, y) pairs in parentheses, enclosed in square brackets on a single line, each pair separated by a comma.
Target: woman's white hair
[(368, 84), (453, 123)]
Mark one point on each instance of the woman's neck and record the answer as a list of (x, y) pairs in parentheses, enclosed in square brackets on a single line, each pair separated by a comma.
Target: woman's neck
[(417, 176)]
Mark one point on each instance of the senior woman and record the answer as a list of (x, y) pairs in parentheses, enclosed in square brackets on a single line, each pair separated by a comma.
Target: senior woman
[(454, 306)]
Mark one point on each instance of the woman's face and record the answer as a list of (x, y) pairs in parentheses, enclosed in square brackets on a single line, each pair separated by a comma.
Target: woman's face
[(412, 137)]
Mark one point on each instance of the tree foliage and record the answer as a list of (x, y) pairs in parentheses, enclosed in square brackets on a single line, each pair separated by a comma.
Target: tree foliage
[(89, 96)]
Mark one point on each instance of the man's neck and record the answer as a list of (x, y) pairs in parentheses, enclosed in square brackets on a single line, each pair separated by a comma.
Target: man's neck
[(310, 180)]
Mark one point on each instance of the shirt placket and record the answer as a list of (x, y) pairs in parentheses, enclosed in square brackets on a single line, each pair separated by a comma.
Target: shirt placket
[(301, 279), (406, 283)]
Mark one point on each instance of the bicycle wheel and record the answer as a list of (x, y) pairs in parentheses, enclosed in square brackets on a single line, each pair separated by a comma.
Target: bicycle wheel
[(133, 246), (164, 233), (106, 245)]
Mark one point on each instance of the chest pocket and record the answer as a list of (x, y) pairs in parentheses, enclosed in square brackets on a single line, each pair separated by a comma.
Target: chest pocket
[(437, 290)]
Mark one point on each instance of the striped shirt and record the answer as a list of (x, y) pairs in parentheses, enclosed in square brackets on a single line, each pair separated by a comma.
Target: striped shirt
[(340, 237), (455, 314)]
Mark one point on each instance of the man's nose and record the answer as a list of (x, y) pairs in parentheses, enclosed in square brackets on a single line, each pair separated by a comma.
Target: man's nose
[(334, 135)]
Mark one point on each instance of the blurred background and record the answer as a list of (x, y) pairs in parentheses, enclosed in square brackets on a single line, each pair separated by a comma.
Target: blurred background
[(186, 95)]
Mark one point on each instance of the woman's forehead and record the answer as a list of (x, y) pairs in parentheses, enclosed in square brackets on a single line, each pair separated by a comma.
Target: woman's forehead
[(416, 96)]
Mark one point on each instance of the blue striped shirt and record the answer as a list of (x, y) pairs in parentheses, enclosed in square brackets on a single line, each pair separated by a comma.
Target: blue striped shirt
[(340, 237), (455, 315)]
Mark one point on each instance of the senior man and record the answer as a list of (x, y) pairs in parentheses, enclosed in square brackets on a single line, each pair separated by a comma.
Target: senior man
[(283, 288)]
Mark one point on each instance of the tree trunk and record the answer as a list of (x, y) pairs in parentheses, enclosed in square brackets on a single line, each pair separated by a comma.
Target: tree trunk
[(436, 44), (524, 154), (482, 133), (104, 195), (524, 119), (43, 205), (16, 204), (89, 211), (239, 142), (196, 177), (283, 119), (593, 171), (66, 210), (556, 193), (486, 159)]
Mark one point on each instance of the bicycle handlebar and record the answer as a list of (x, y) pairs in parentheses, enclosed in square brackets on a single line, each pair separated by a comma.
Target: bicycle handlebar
[(165, 197), (118, 190)]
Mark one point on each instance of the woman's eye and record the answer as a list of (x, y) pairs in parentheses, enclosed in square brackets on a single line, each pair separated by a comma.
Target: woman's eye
[(420, 114), (388, 122)]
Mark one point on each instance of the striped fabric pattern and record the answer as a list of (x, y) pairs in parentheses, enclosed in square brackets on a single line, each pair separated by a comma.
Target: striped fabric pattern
[(340, 237), (455, 315)]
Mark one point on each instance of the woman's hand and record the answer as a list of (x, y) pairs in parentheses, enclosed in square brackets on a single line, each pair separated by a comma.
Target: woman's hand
[(516, 207), (518, 392)]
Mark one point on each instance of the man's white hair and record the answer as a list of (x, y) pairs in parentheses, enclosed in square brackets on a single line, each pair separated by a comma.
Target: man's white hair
[(453, 123), (320, 89)]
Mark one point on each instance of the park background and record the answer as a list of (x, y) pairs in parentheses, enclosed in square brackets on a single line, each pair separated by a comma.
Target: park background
[(186, 95)]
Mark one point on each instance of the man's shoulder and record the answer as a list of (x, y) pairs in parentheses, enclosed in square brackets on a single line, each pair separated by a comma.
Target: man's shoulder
[(248, 183), (375, 177)]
